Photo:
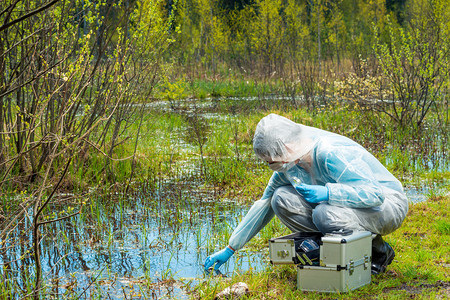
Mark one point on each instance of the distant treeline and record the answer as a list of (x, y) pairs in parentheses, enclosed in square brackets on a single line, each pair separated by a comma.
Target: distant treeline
[(267, 36)]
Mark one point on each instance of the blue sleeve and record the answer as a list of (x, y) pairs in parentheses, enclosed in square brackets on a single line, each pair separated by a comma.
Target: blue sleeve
[(353, 183), (259, 214)]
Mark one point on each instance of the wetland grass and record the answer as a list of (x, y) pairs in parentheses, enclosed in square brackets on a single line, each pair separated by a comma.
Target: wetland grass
[(230, 87)]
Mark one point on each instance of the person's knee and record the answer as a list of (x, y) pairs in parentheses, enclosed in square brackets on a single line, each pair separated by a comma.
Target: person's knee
[(329, 218), (326, 219), (279, 199), (321, 218)]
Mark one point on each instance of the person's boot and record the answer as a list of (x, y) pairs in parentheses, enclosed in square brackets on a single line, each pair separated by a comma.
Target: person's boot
[(382, 255)]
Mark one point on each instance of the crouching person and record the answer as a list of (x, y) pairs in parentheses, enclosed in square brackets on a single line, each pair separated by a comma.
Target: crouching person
[(323, 182)]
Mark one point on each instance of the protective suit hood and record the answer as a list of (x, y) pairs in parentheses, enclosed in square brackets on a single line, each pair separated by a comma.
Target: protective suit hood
[(280, 139)]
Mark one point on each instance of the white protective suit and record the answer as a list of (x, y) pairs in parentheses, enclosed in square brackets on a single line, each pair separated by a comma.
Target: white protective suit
[(363, 194)]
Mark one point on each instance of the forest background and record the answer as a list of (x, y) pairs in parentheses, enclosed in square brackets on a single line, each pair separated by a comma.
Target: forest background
[(78, 80)]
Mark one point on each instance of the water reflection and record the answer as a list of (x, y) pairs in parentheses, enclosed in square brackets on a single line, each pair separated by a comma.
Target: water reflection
[(142, 246), (137, 246)]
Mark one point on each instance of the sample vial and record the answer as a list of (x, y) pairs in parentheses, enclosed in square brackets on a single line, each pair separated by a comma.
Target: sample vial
[(296, 181)]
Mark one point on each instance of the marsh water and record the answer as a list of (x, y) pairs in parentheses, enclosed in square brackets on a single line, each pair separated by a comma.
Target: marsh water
[(143, 246), (151, 245)]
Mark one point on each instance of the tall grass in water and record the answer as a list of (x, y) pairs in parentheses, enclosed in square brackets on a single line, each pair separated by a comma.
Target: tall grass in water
[(96, 249)]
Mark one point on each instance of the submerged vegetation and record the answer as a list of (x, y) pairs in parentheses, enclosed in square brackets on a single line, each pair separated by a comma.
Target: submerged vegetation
[(126, 136)]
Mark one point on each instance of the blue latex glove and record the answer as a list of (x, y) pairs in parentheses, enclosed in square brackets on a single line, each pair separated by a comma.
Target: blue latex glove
[(218, 258), (313, 193)]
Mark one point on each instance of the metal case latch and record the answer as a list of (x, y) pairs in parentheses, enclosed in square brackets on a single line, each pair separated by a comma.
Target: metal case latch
[(366, 262), (351, 267)]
